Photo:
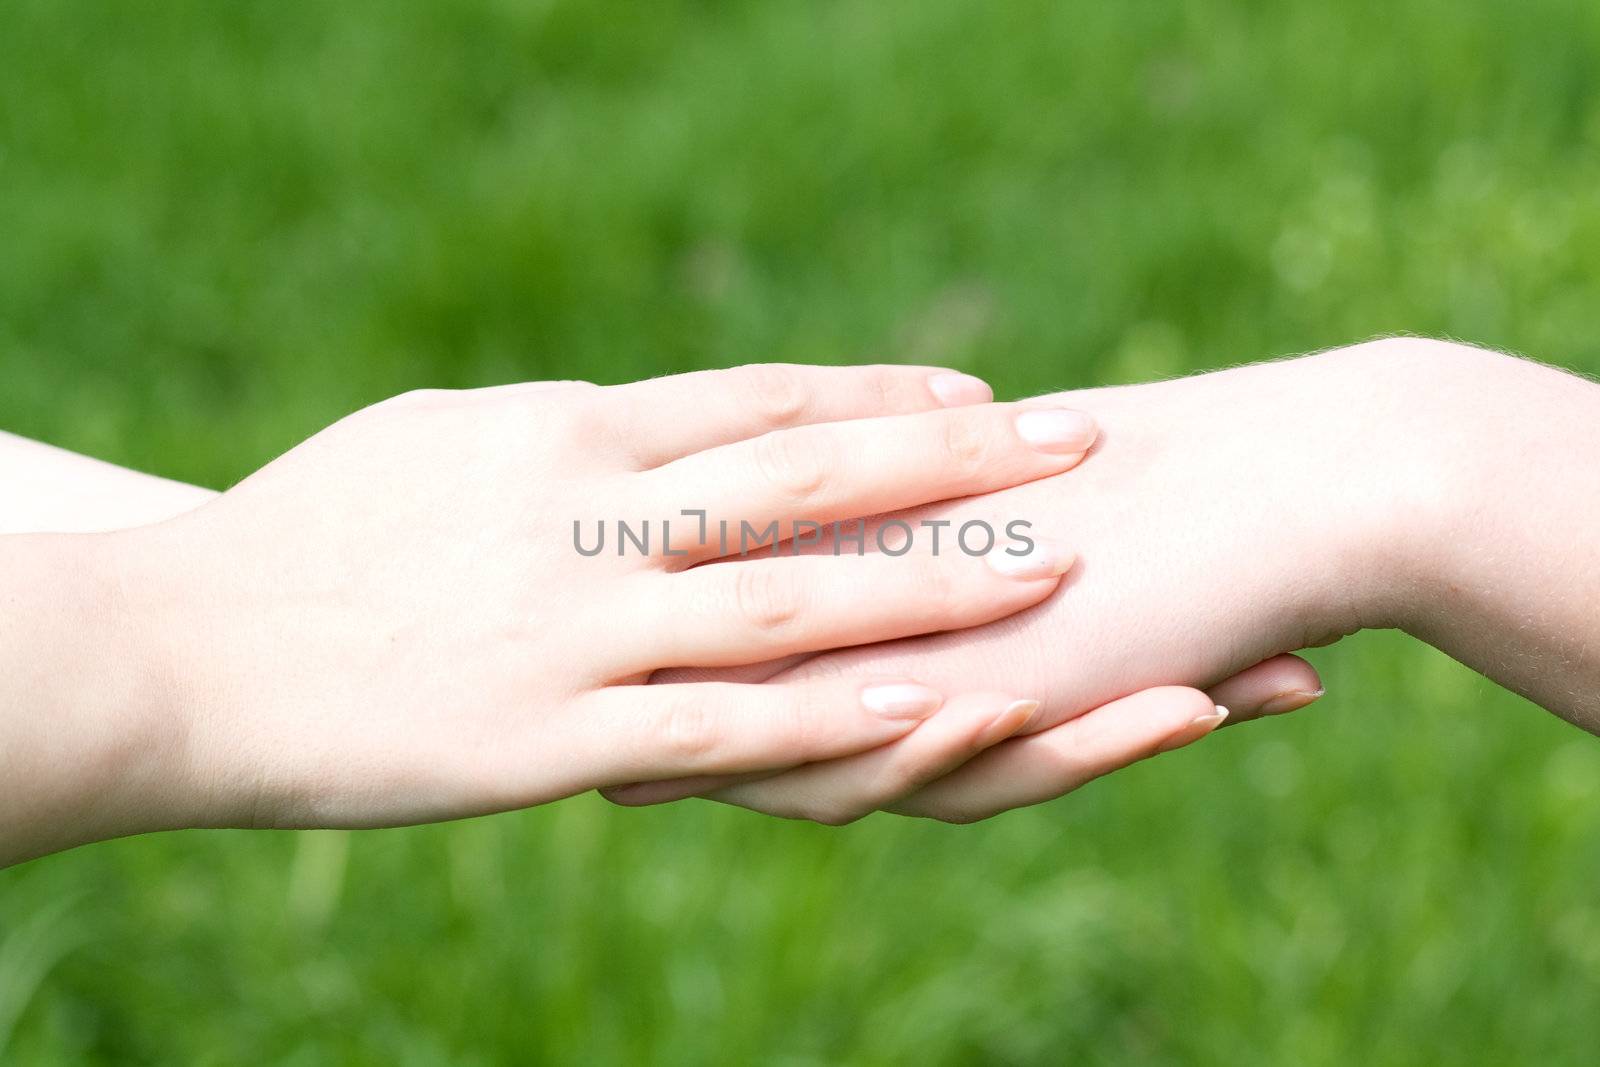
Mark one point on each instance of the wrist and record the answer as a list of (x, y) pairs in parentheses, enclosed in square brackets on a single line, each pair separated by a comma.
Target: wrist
[(1426, 444), (88, 736)]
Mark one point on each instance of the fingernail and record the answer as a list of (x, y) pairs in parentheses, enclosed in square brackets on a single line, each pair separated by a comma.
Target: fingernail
[(1058, 430), (957, 390), (1293, 700), (1018, 715), (903, 700), (1195, 730), (1043, 560)]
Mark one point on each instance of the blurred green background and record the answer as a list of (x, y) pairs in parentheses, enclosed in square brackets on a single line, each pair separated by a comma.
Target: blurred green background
[(223, 225)]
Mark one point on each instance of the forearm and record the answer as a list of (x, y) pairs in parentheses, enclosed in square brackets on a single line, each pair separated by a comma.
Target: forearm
[(1511, 585), (86, 751), (43, 488)]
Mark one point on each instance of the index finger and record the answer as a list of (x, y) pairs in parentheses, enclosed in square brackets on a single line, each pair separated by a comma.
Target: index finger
[(664, 419)]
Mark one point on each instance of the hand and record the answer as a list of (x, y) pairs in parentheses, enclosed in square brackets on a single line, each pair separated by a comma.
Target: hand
[(1224, 520), (391, 623)]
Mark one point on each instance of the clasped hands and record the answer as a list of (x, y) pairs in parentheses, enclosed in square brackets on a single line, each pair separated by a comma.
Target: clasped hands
[(401, 620)]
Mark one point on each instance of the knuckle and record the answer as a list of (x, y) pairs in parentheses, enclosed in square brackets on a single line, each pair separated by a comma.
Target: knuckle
[(938, 589), (765, 597), (687, 732), (1065, 764), (891, 391), (809, 721), (776, 394), (578, 422), (792, 465), (965, 442)]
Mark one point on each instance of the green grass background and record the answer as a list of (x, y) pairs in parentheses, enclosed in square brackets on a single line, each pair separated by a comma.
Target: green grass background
[(223, 225)]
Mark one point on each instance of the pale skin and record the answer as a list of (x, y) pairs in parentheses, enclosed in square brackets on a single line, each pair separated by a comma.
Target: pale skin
[(50, 489), (1378, 486), (1223, 519), (390, 624)]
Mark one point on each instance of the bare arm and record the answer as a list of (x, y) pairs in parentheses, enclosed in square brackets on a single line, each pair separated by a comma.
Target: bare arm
[(1510, 584), (43, 488)]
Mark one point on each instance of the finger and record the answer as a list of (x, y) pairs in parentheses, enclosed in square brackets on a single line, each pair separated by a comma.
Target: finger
[(1272, 687), (1046, 765), (964, 727), (843, 790), (761, 488), (750, 611), (625, 734), (666, 418)]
